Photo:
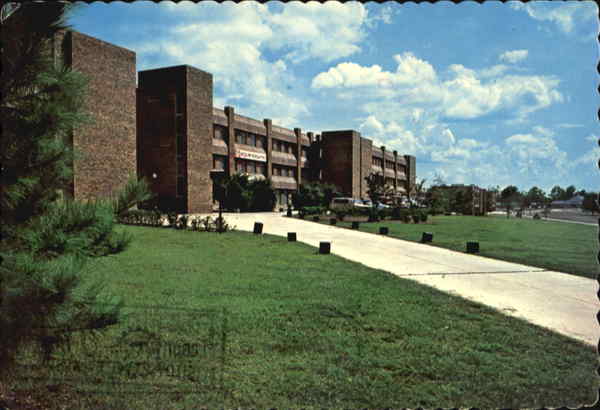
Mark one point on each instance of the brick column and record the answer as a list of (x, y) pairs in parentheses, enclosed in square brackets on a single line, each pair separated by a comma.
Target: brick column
[(311, 173), (269, 165), (395, 172), (298, 133), (230, 113)]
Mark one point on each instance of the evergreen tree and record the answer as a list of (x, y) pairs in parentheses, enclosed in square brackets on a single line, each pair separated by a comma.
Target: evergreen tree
[(45, 239)]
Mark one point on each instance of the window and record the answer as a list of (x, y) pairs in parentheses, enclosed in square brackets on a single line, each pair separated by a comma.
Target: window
[(290, 148), (250, 167), (304, 152), (251, 139), (276, 171), (239, 166), (219, 162), (219, 132), (260, 168), (276, 145), (260, 141), (240, 137)]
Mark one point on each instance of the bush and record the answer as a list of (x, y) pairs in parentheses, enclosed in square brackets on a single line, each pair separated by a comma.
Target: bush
[(374, 215), (172, 219), (313, 210), (181, 222), (399, 213), (415, 217), (423, 215), (210, 224), (537, 216), (340, 214), (314, 194)]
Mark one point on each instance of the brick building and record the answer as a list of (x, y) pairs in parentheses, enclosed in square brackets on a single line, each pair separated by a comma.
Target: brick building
[(168, 131), (106, 148)]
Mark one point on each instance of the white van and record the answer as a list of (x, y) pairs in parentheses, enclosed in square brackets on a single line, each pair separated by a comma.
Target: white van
[(346, 203)]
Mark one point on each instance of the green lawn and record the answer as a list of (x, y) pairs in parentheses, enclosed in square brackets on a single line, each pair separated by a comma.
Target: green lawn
[(560, 246), (238, 320)]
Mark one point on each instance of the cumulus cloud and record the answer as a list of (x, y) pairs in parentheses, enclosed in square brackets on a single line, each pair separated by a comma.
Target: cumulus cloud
[(232, 41), (513, 56), (461, 93), (563, 14)]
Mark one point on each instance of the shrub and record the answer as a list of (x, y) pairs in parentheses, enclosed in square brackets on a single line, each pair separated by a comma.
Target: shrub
[(415, 217), (340, 214), (374, 215), (181, 222), (398, 213), (537, 216), (172, 218), (195, 223), (315, 194), (262, 195), (423, 215), (313, 210)]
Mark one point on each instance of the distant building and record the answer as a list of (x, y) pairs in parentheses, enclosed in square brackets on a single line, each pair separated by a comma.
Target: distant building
[(470, 199), (575, 202)]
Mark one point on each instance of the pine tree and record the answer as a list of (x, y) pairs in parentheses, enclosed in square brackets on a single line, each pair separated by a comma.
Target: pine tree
[(45, 239)]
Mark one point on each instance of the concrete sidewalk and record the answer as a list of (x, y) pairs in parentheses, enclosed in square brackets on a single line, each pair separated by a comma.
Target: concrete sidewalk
[(565, 303)]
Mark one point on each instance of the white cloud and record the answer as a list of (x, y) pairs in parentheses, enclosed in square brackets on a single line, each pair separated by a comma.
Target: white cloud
[(569, 125), (383, 13), (590, 159), (564, 14), (231, 40), (513, 56), (410, 71), (464, 94), (309, 28)]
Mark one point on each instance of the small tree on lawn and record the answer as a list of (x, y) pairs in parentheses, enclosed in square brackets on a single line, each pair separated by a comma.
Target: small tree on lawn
[(590, 202), (45, 240), (508, 196), (377, 190)]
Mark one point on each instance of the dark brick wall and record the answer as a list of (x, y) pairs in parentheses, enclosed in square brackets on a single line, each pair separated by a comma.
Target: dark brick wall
[(366, 160), (160, 97), (410, 172), (107, 147), (341, 159), (199, 101), (178, 101)]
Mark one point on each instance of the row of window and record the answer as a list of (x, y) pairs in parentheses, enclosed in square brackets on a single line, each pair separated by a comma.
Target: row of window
[(282, 171), (250, 167), (254, 140)]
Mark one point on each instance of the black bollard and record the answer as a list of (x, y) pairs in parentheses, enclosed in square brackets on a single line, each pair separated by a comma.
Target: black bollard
[(333, 221), (291, 236), (355, 225), (289, 212), (258, 226), (316, 218), (324, 248), (472, 247), (427, 237), (383, 230)]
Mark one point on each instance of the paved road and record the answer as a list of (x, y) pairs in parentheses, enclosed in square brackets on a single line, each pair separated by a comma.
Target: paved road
[(561, 215), (565, 303)]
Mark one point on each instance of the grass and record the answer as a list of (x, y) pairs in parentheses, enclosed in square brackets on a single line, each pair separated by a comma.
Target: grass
[(557, 246), (239, 320)]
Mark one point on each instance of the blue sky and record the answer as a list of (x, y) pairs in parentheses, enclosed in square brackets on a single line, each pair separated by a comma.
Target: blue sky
[(487, 94)]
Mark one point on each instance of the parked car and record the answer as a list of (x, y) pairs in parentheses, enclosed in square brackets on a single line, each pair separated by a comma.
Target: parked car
[(346, 203), (341, 203), (369, 204)]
